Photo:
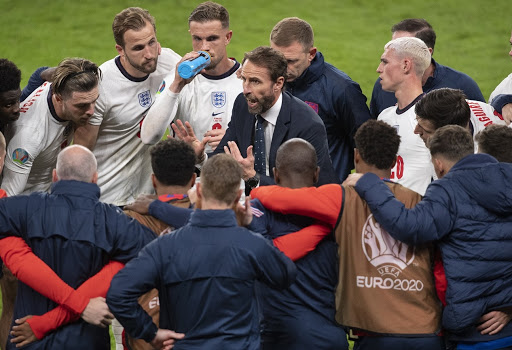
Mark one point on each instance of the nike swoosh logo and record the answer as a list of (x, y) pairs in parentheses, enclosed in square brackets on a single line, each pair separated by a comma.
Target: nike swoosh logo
[(214, 114)]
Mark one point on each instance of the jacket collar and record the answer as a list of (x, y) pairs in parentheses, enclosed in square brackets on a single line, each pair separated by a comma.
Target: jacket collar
[(473, 161), (218, 218), (311, 74), (76, 188)]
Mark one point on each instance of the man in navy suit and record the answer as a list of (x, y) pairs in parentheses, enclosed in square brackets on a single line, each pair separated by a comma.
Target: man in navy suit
[(284, 117)]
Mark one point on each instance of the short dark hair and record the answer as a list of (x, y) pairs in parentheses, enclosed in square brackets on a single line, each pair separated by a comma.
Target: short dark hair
[(134, 18), (173, 162), (267, 57), (291, 29), (220, 178), (444, 106), (377, 143), (10, 76), (452, 142), (210, 11), (75, 75), (415, 26), (496, 140), (296, 156)]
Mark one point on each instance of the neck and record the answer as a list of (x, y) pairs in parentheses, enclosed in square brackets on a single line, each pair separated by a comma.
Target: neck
[(428, 73), (408, 93), (222, 67), (210, 204), (365, 168), (57, 106), (132, 71), (292, 181), (161, 190)]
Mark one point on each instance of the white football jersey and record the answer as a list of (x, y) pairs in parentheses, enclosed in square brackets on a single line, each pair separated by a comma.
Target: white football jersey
[(483, 115), (413, 168), (124, 164), (505, 87), (207, 101), (34, 142)]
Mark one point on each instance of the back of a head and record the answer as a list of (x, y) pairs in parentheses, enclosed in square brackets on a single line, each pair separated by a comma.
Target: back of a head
[(210, 11), (290, 30), (266, 57), (414, 49), (496, 140), (220, 179), (76, 163), (75, 75), (173, 162), (297, 157), (444, 106), (132, 18), (377, 143), (10, 76), (411, 25), (452, 142)]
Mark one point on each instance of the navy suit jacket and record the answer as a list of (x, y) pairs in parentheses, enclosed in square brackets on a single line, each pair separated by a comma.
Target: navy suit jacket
[(296, 119)]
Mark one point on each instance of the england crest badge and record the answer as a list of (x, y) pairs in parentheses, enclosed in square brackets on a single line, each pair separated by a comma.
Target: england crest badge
[(145, 99), (218, 99)]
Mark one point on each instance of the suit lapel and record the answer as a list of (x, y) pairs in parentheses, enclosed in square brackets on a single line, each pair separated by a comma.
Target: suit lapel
[(281, 130)]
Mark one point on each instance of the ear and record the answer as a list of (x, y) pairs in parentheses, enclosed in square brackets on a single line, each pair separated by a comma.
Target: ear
[(120, 50), (95, 178), (312, 54), (58, 98), (153, 181), (278, 85), (431, 50), (277, 179), (199, 190), (238, 196), (192, 180), (229, 35), (54, 176), (439, 166), (316, 175), (407, 65)]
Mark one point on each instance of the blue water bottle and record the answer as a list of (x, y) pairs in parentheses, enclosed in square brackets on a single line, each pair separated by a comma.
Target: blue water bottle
[(188, 69)]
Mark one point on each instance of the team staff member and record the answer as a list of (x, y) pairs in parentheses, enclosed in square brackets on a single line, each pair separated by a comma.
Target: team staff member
[(75, 240), (336, 98), (128, 88), (206, 101), (204, 272)]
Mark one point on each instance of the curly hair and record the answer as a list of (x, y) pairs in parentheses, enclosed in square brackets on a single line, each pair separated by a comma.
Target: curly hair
[(377, 143), (10, 76), (173, 162)]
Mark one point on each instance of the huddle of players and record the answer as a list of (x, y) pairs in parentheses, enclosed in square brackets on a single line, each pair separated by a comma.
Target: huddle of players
[(107, 127)]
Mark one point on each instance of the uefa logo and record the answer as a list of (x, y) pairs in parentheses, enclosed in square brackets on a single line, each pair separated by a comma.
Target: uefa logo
[(387, 254)]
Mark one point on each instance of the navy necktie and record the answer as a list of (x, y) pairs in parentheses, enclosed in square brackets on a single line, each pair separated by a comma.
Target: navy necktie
[(259, 146)]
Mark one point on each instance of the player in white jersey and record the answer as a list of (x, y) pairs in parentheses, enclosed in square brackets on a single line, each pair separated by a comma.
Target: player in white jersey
[(47, 119), (401, 69), (129, 85), (413, 168), (449, 107), (505, 87), (207, 100)]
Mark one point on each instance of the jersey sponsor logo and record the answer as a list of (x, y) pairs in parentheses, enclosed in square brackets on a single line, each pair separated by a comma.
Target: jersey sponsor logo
[(145, 99), (218, 99), (20, 156), (313, 105), (215, 114), (216, 126), (387, 254), (161, 88)]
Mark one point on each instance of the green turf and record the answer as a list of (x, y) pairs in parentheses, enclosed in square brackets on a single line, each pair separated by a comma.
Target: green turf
[(472, 36)]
